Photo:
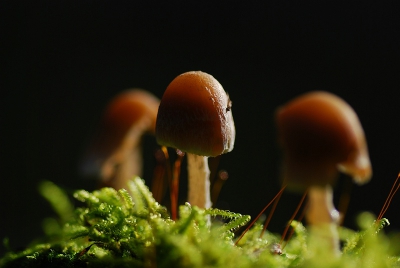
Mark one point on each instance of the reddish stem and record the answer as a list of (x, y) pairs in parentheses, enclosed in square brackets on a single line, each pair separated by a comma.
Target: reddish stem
[(259, 215), (292, 218), (389, 198), (271, 213)]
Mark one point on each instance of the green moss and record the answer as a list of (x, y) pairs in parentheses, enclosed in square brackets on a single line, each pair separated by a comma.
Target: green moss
[(116, 229)]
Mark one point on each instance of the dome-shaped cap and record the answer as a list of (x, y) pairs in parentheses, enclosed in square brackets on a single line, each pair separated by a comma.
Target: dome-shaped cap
[(127, 117), (133, 109), (320, 133), (195, 116)]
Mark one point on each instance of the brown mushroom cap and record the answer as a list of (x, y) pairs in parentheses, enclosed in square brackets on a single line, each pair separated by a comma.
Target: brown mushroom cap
[(127, 117), (320, 133), (195, 116)]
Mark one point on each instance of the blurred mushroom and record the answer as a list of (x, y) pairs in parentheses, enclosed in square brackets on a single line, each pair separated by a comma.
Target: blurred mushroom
[(320, 135), (195, 117), (115, 154)]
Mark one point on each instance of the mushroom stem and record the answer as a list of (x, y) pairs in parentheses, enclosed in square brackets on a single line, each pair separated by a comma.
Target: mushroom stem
[(323, 218), (198, 181), (130, 165)]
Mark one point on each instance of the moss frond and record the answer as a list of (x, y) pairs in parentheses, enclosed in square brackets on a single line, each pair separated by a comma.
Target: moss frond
[(128, 228), (236, 220)]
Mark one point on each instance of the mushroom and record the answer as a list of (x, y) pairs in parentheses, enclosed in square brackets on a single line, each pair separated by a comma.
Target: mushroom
[(195, 117), (320, 135), (115, 153)]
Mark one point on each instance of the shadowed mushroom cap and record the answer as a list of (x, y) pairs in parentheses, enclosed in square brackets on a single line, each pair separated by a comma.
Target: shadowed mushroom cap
[(321, 134), (126, 118), (195, 116)]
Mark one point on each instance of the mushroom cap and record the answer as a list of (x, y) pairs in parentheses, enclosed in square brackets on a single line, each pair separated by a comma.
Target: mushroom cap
[(320, 134), (134, 107), (195, 116), (127, 117)]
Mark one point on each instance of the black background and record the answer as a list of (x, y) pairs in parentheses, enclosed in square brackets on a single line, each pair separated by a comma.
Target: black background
[(63, 60)]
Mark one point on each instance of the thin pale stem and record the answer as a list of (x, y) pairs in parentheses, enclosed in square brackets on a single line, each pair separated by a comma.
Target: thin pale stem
[(198, 181), (130, 165), (322, 218)]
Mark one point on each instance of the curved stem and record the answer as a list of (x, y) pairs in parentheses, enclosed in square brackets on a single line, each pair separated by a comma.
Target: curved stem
[(129, 166)]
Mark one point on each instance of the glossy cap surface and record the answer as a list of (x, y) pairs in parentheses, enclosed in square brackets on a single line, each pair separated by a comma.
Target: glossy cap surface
[(195, 116)]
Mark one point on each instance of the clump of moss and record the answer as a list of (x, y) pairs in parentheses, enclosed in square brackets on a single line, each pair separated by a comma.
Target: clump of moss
[(117, 229)]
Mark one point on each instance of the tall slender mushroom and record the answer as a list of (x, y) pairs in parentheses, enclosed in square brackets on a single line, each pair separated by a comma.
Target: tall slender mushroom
[(321, 135), (115, 153), (195, 117)]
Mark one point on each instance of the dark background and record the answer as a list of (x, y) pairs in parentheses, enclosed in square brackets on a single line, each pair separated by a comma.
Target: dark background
[(62, 61)]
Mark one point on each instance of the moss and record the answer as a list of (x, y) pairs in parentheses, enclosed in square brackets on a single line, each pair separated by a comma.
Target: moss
[(115, 229)]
